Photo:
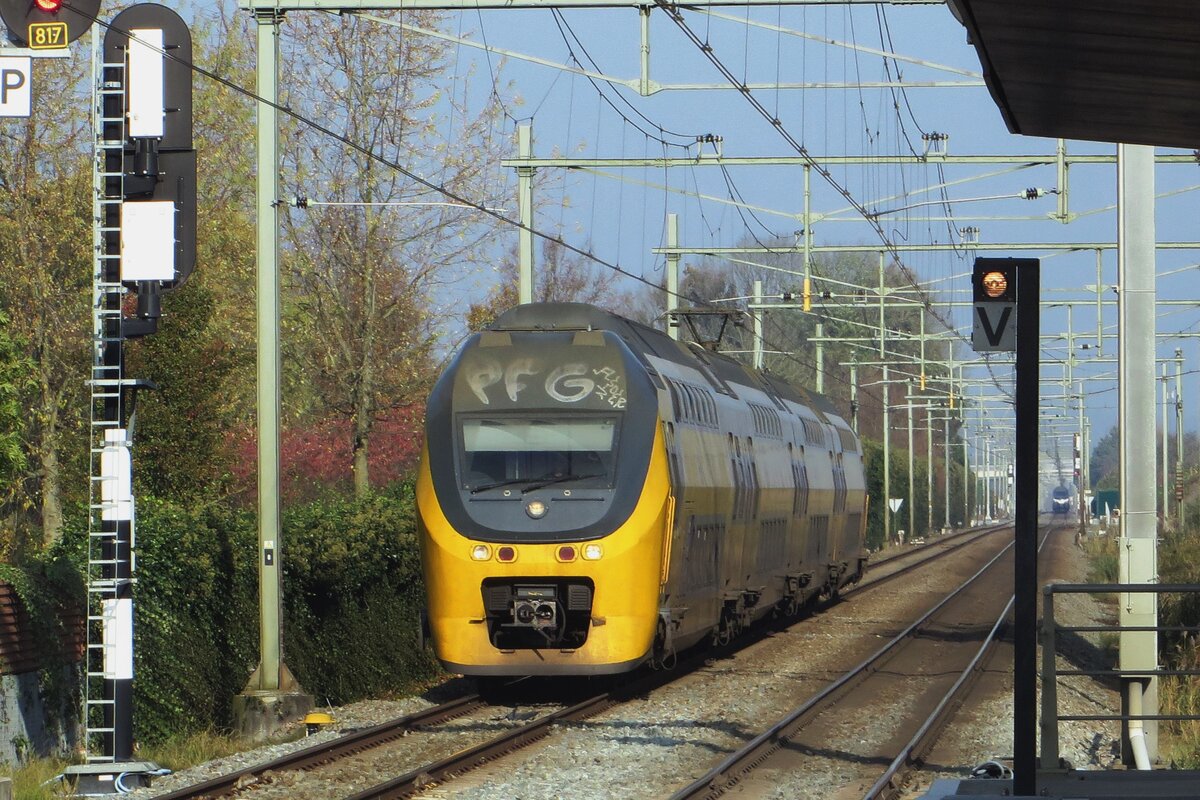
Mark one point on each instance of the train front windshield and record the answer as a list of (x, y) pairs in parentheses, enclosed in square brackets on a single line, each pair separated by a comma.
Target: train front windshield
[(508, 451)]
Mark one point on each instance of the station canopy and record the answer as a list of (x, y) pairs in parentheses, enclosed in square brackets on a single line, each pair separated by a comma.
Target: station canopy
[(1104, 70)]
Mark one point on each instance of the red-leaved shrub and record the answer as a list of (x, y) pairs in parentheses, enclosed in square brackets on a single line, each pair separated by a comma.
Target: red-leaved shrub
[(316, 458)]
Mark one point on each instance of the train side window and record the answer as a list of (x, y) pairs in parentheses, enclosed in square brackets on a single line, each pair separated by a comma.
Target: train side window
[(752, 474), (675, 403), (672, 455), (800, 477), (737, 487), (735, 465)]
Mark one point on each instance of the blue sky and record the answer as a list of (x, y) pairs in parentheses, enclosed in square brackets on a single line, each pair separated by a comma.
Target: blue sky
[(621, 221)]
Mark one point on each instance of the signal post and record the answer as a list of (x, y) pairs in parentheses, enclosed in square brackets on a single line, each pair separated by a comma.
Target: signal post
[(145, 183), (1007, 294)]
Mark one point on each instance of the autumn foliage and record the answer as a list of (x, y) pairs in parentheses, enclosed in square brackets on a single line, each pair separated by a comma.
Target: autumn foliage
[(315, 460)]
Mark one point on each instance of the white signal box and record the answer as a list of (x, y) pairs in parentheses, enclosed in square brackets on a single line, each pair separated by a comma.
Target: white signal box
[(148, 241), (145, 88)]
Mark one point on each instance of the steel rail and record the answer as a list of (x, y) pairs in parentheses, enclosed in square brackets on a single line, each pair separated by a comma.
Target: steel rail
[(416, 780), (890, 784), (325, 752), (730, 770), (876, 581), (432, 774), (413, 781)]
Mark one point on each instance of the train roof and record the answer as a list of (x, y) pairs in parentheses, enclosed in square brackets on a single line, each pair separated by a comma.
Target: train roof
[(643, 340)]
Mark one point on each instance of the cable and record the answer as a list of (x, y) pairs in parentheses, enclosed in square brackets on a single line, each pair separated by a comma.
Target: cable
[(491, 68), (366, 151), (677, 16), (992, 770), (454, 196), (561, 22)]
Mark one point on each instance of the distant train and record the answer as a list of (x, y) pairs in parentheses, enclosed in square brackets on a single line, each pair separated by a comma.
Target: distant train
[(1060, 500), (594, 495)]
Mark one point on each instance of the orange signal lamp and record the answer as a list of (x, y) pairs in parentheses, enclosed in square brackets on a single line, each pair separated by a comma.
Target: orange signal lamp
[(995, 283)]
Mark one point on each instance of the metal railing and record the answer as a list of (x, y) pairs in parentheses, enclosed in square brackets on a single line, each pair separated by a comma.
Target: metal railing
[(1050, 672)]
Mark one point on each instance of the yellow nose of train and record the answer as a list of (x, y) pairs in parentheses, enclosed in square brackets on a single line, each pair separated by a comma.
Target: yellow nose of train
[(528, 608)]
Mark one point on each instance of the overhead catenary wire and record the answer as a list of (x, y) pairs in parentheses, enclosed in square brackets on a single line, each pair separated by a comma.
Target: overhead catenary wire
[(455, 197), (708, 51), (564, 28)]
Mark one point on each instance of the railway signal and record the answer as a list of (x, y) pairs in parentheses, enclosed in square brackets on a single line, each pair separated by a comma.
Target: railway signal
[(994, 287), (47, 24), (158, 164), (146, 223)]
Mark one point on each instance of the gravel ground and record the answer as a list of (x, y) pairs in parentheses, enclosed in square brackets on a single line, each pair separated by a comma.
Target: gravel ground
[(983, 729), (656, 745)]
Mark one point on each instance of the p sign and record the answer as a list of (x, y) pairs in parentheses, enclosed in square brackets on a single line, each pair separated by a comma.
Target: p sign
[(15, 89)]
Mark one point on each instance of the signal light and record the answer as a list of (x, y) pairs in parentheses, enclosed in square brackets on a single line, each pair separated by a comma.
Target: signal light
[(995, 280), (566, 553), (506, 554), (47, 24), (994, 283)]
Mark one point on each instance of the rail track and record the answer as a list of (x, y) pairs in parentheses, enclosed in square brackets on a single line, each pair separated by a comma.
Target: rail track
[(804, 732), (447, 768), (326, 752)]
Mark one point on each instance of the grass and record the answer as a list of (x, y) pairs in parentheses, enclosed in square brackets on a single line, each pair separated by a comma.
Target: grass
[(1105, 557), (1182, 696), (1179, 562), (34, 779), (188, 751)]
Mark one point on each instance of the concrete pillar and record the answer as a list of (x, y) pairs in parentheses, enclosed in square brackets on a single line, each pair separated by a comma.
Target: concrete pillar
[(1136, 359)]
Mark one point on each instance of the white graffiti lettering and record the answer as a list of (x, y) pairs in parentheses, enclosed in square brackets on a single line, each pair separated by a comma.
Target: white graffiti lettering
[(482, 375), (611, 390), (567, 383), (567, 377), (516, 370)]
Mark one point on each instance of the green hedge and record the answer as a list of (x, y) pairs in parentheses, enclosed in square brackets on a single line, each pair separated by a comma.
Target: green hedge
[(352, 574), (352, 588), (196, 601)]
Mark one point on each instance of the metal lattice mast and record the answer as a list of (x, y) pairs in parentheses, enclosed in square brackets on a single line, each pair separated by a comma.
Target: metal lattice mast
[(109, 504)]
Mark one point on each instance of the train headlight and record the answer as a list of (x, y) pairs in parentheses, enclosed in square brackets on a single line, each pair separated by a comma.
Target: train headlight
[(592, 552), (481, 552), (536, 509)]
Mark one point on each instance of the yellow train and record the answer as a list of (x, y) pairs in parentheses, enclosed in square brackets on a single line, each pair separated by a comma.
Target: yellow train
[(595, 495)]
